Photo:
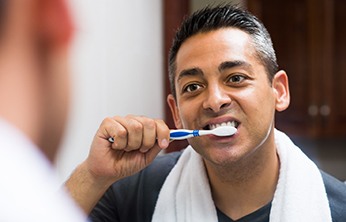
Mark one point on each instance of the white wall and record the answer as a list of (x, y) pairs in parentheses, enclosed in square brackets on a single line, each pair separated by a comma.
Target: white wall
[(117, 66)]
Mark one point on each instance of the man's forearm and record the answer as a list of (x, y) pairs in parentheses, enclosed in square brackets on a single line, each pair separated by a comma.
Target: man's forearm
[(85, 189)]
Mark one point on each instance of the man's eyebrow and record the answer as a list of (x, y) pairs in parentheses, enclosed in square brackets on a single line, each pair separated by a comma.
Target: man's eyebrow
[(190, 72), (231, 64), (223, 66)]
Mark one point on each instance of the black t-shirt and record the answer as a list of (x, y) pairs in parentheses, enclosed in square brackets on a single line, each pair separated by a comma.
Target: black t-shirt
[(259, 215), (134, 198)]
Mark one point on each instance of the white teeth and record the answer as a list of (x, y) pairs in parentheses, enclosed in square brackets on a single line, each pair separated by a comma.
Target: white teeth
[(231, 123)]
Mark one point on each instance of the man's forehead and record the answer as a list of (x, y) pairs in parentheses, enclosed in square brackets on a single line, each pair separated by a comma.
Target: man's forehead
[(222, 45)]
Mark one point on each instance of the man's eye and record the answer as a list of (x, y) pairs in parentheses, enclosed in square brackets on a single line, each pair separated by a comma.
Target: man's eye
[(192, 88), (236, 79)]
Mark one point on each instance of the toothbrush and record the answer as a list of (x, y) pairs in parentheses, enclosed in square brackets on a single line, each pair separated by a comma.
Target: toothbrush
[(182, 134)]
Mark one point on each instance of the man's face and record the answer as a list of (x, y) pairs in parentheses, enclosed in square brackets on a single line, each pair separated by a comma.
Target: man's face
[(219, 80)]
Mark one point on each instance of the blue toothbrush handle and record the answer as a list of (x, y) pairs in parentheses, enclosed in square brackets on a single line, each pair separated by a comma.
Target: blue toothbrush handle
[(182, 134)]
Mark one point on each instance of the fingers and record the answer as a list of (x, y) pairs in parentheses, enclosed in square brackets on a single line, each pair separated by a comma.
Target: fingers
[(136, 133), (132, 134), (162, 134), (149, 133)]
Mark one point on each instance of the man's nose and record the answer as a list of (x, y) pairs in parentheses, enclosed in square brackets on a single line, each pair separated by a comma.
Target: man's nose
[(217, 98)]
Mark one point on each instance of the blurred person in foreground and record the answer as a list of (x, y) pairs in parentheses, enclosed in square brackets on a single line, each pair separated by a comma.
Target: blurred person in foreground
[(223, 71), (34, 97)]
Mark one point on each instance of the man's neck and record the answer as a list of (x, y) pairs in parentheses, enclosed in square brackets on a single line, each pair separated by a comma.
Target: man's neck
[(246, 186)]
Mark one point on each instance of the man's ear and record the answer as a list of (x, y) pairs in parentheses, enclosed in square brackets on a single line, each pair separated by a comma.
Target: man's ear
[(281, 90), (174, 110)]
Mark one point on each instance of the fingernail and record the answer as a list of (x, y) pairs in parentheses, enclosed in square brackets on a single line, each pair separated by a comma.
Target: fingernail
[(164, 143), (143, 150)]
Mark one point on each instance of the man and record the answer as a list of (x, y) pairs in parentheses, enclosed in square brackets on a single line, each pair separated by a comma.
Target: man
[(223, 71), (34, 37)]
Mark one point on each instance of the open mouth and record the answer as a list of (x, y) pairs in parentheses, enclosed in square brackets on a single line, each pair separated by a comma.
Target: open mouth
[(229, 123)]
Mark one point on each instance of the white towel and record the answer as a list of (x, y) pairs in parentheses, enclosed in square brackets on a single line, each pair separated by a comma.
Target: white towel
[(300, 194)]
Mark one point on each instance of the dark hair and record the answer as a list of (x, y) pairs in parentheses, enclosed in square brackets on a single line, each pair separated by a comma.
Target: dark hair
[(223, 16)]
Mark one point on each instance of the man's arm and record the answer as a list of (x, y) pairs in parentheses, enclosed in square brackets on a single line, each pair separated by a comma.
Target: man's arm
[(85, 189)]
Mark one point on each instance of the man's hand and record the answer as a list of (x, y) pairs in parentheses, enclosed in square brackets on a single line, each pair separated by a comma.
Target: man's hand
[(137, 141)]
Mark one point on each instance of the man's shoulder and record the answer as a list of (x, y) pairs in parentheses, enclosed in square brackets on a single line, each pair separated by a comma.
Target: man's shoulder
[(134, 198), (164, 163), (336, 192), (155, 174)]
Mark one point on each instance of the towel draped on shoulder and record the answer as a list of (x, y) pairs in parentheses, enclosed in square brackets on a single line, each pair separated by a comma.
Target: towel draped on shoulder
[(300, 193)]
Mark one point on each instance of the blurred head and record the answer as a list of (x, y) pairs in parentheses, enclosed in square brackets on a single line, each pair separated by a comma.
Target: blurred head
[(34, 39), (224, 16)]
